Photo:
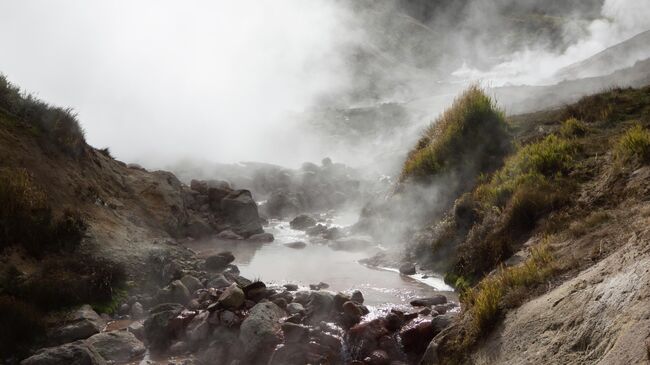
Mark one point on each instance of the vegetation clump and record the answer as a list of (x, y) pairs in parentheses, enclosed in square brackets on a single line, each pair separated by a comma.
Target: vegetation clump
[(26, 219), (472, 134), (634, 145), (486, 301), (573, 127), (58, 125)]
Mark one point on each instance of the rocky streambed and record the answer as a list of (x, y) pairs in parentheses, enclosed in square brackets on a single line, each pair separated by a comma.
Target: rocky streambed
[(303, 298)]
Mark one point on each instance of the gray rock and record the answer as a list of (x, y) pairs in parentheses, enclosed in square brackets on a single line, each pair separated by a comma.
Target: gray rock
[(219, 282), (261, 237), (198, 329), (117, 346), (137, 311), (430, 301), (159, 327), (80, 324), (407, 269), (302, 222), (357, 297), (291, 287), (240, 210), (320, 306), (229, 235), (191, 283), (75, 353), (259, 332), (175, 292), (298, 245), (232, 298), (137, 328), (295, 308), (219, 261)]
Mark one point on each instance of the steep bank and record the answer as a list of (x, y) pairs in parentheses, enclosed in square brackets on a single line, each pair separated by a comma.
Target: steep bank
[(558, 277)]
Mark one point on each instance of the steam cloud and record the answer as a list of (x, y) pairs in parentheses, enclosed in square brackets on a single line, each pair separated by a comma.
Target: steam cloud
[(158, 81)]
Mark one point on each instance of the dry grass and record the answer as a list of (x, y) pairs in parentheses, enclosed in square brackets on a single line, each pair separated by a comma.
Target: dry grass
[(486, 302), (57, 125), (472, 130), (572, 127), (634, 145), (582, 227)]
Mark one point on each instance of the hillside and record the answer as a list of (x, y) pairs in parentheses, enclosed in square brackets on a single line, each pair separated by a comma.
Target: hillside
[(617, 57), (559, 277)]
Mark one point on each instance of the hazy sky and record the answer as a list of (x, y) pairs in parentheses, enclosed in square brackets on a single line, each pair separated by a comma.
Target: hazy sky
[(158, 81)]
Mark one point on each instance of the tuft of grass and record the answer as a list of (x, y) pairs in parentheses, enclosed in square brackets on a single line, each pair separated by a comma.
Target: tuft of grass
[(59, 125), (473, 130), (634, 145), (534, 166), (26, 219), (486, 302), (582, 227), (573, 127)]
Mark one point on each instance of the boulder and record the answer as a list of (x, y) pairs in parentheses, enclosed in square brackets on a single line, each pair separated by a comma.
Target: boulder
[(219, 261), (175, 292), (232, 298), (216, 195), (294, 332), (357, 297), (261, 237), (260, 331), (197, 227), (302, 222), (298, 245), (137, 311), (199, 186), (198, 329), (218, 282), (377, 357), (430, 301), (229, 235), (291, 287), (79, 324), (75, 353), (365, 337), (162, 326), (191, 283), (137, 328), (407, 269), (320, 306), (240, 210), (316, 230), (295, 308), (117, 347)]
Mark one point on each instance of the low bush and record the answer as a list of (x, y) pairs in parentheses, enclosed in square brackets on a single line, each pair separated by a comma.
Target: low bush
[(59, 125), (63, 282), (634, 145), (21, 324), (26, 218), (572, 127), (472, 133)]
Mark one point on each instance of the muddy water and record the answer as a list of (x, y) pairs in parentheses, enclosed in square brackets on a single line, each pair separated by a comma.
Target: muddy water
[(275, 263)]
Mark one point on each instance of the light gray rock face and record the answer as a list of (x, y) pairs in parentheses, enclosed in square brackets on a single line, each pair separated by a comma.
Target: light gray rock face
[(80, 324), (75, 353), (260, 331), (117, 346)]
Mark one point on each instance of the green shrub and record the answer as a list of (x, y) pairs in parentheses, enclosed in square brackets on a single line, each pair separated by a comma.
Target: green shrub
[(63, 282), (26, 218), (59, 125), (21, 324), (572, 127), (472, 132), (535, 165), (634, 145)]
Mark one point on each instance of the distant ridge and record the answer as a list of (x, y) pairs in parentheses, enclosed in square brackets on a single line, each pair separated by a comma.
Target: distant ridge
[(617, 57)]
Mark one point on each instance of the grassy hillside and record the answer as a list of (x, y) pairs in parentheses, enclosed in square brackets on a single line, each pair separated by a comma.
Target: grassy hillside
[(573, 170)]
